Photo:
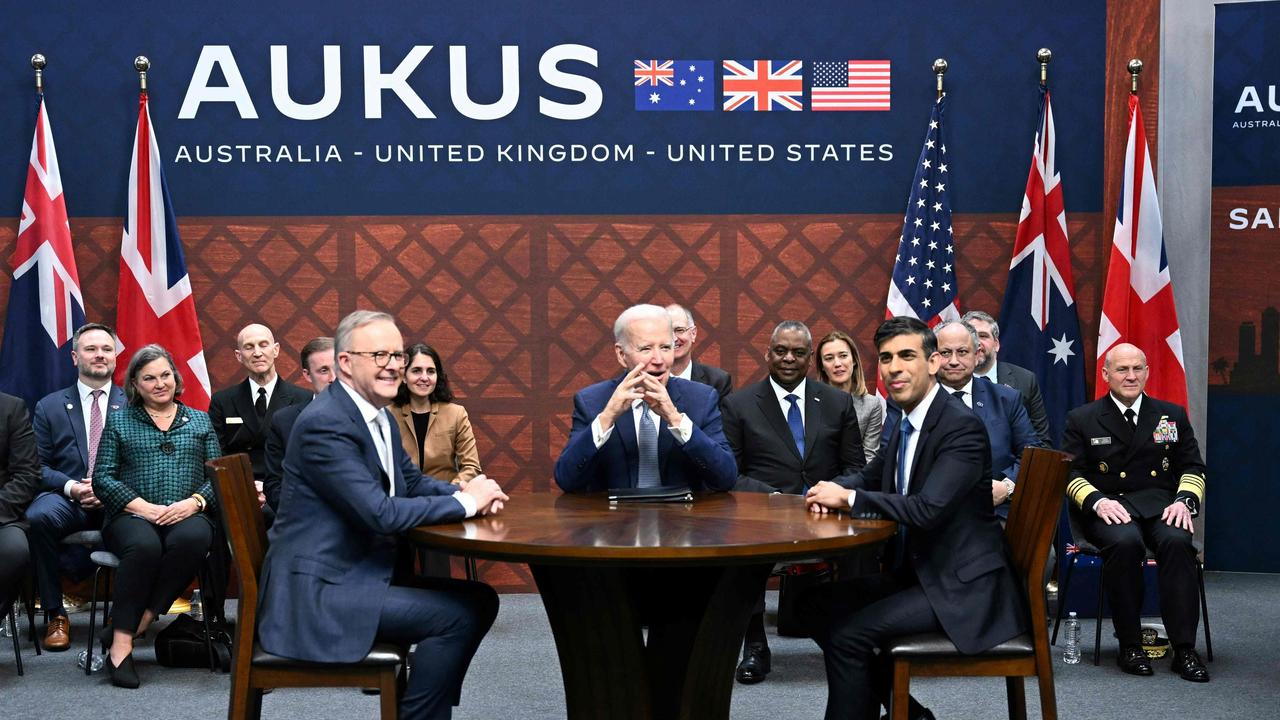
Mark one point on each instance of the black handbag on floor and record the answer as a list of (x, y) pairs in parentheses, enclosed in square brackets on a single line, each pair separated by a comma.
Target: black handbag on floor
[(182, 644)]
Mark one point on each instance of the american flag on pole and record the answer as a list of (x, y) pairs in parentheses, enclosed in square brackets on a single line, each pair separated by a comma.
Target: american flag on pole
[(763, 85), (45, 305), (1137, 303), (924, 275), (155, 302), (850, 85), (1038, 321)]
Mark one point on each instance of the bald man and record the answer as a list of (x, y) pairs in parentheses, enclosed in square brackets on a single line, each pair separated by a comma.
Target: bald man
[(1136, 482), (242, 413)]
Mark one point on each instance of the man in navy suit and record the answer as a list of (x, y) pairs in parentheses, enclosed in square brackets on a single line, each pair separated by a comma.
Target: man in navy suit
[(349, 490), (998, 406), (1007, 374), (317, 367), (646, 428), (68, 424), (949, 568)]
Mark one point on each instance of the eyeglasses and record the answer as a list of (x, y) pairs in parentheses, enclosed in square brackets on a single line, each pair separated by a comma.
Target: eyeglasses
[(682, 330), (381, 358)]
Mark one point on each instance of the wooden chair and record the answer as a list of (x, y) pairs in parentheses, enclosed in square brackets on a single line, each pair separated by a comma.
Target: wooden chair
[(252, 668), (1042, 483)]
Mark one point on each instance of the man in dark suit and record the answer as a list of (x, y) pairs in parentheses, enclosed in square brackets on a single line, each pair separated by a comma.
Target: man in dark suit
[(317, 361), (349, 490), (683, 365), (1000, 408), (68, 425), (1008, 374), (19, 483), (242, 413), (949, 566), (645, 428), (1136, 482), (787, 434)]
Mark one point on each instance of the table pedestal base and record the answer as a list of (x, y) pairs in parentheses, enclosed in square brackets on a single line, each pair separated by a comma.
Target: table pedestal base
[(696, 618)]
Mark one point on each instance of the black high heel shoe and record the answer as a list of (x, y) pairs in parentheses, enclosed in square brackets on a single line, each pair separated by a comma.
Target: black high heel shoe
[(123, 675)]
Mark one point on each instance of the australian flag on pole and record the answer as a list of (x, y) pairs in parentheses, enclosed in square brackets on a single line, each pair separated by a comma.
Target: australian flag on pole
[(45, 305), (1039, 327)]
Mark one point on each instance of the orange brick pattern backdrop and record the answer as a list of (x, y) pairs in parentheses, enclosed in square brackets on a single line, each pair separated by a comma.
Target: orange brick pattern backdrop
[(522, 308)]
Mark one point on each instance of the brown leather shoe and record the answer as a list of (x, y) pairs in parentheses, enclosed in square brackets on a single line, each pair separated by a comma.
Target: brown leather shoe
[(58, 636)]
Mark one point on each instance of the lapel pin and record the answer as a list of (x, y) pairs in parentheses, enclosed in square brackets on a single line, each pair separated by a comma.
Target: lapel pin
[(1102, 467), (70, 406), (1164, 463), (979, 403)]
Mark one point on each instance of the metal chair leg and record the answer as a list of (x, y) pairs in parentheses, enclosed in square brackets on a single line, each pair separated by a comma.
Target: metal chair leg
[(13, 634), (1097, 631), (31, 614), (202, 577), (1063, 588), (93, 622), (1204, 612)]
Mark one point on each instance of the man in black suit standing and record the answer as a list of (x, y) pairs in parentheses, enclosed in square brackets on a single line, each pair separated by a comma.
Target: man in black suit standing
[(949, 567), (318, 368), (787, 434), (19, 483), (1136, 481), (684, 366), (1006, 373), (242, 413)]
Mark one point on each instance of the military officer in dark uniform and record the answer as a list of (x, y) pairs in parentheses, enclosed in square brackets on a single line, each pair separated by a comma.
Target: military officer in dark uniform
[(1137, 480)]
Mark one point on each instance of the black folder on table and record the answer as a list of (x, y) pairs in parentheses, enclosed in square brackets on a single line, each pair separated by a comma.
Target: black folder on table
[(662, 493)]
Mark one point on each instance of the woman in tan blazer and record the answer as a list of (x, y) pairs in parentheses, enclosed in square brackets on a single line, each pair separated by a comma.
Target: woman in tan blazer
[(435, 431)]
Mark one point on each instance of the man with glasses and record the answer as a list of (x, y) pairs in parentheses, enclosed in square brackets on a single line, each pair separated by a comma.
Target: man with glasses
[(683, 365), (999, 407), (1136, 482), (349, 490), (1005, 373)]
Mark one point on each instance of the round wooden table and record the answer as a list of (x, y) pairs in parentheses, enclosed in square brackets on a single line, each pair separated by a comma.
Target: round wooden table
[(690, 573)]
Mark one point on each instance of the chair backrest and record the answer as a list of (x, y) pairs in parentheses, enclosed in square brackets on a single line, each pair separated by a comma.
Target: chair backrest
[(1041, 487), (232, 478)]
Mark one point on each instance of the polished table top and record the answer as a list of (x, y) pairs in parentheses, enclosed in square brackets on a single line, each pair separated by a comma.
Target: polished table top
[(717, 528)]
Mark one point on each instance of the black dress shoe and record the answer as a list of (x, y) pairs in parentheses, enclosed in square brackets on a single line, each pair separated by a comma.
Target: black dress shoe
[(123, 675), (1134, 660), (756, 662), (925, 714), (1187, 664)]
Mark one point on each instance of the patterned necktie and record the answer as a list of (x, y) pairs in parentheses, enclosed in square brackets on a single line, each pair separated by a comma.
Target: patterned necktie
[(384, 456), (260, 406), (795, 422), (904, 435), (648, 441), (95, 428)]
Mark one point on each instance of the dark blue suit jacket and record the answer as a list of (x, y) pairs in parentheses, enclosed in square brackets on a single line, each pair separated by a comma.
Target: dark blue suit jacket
[(333, 545), (1008, 427), (704, 463), (62, 438)]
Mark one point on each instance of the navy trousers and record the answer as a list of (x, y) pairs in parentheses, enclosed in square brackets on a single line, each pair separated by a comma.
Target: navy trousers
[(53, 517)]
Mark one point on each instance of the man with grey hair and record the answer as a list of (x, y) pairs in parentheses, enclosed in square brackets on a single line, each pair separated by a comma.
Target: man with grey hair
[(1000, 408), (1006, 373), (683, 365), (645, 428), (349, 491)]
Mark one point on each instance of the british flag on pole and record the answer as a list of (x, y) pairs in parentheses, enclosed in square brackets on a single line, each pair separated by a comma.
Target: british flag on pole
[(1137, 303), (45, 305), (155, 301)]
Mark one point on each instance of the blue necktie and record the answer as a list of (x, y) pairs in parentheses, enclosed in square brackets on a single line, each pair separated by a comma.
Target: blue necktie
[(648, 442), (904, 434), (795, 423)]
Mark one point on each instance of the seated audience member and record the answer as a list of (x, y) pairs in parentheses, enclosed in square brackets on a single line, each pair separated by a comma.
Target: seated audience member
[(68, 425), (242, 413), (787, 434), (949, 568), (19, 483), (317, 361), (645, 428), (840, 366), (435, 430), (999, 407), (1006, 373), (683, 365), (150, 478), (1136, 482), (349, 490)]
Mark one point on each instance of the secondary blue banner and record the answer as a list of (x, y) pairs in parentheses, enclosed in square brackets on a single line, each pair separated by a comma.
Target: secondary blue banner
[(337, 108)]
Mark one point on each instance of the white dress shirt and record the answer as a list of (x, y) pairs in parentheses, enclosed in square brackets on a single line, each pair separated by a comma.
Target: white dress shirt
[(681, 432), (270, 387), (967, 398), (687, 374), (784, 403)]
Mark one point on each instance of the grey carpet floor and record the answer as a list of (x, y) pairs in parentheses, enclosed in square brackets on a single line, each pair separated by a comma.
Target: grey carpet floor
[(516, 675)]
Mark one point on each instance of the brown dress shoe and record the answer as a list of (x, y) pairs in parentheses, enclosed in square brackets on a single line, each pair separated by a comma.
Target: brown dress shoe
[(58, 636)]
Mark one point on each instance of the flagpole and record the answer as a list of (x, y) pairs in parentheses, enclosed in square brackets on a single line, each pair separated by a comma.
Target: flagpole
[(1135, 68), (38, 64), (940, 69), (142, 65), (1044, 56)]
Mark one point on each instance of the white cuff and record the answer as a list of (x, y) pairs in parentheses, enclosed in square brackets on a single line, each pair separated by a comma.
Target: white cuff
[(66, 489), (468, 503), (683, 431), (852, 493), (599, 436), (1095, 506)]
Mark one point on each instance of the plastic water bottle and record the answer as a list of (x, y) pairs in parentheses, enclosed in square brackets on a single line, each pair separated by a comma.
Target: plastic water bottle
[(197, 605), (1071, 653), (97, 661)]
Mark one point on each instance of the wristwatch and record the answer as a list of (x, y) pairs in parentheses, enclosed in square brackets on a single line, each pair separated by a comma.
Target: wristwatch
[(1008, 486)]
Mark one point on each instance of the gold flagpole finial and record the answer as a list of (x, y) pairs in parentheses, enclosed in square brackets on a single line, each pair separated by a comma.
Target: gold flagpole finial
[(1135, 69), (940, 69), (142, 65), (38, 63), (1044, 56)]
